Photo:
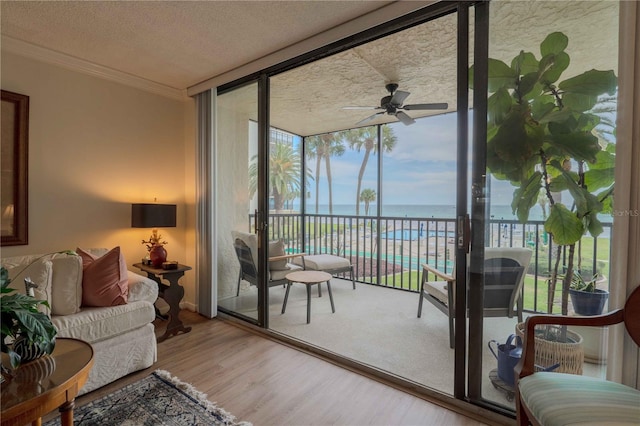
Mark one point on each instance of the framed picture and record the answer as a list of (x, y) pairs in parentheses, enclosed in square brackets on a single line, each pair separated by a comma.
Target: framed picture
[(14, 159)]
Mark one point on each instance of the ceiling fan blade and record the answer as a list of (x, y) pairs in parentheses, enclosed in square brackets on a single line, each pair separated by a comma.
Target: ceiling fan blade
[(398, 97), (371, 117), (405, 118), (360, 107), (426, 106)]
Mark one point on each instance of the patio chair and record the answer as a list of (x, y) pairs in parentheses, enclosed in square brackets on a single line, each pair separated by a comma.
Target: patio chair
[(546, 398), (504, 271), (246, 248)]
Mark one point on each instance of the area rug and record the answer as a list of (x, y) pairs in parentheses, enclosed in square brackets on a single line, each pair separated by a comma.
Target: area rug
[(158, 399)]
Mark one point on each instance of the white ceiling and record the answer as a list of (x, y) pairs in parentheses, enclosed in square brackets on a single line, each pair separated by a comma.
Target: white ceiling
[(175, 43), (181, 43)]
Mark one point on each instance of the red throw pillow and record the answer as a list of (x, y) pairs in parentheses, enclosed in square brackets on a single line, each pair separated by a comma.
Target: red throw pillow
[(104, 279)]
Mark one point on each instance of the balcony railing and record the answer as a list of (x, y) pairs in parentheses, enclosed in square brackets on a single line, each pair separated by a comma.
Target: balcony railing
[(389, 251)]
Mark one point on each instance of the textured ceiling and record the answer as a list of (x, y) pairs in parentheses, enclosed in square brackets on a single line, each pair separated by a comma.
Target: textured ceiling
[(179, 44), (175, 43)]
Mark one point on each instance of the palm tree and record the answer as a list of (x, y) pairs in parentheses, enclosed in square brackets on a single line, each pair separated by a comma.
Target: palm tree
[(323, 147), (284, 174), (367, 137), (367, 196)]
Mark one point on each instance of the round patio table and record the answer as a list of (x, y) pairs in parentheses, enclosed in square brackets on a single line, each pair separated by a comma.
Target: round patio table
[(309, 278)]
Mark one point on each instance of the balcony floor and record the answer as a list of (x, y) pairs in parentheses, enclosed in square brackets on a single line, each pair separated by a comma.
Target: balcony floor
[(379, 327)]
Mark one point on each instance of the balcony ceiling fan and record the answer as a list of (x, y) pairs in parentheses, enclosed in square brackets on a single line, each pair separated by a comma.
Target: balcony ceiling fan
[(392, 105)]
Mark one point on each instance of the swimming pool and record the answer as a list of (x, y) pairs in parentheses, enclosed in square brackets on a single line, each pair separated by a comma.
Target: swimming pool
[(414, 234)]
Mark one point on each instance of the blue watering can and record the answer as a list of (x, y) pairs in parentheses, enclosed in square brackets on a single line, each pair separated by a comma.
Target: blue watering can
[(508, 357)]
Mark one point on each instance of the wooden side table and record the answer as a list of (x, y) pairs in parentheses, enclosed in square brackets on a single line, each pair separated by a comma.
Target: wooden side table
[(172, 294), (50, 382), (309, 278)]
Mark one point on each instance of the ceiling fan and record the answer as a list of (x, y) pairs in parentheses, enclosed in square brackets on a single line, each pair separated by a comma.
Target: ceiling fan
[(392, 105)]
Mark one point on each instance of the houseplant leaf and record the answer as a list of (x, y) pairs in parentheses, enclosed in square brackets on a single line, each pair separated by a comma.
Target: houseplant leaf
[(582, 146), (498, 106), (563, 225), (558, 64), (592, 83), (525, 63), (579, 102), (525, 197), (500, 75), (595, 179), (554, 43)]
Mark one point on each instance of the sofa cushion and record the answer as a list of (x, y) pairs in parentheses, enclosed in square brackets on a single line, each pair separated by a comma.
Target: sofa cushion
[(105, 280), (66, 279), (40, 272), (96, 324), (66, 284)]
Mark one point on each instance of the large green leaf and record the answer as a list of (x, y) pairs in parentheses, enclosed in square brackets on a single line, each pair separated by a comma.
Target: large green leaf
[(563, 225), (554, 71), (500, 75), (604, 160), (518, 139), (498, 106), (579, 102), (558, 116), (501, 169), (587, 122), (554, 43), (540, 108), (527, 84), (593, 225), (525, 197), (595, 179), (606, 198), (593, 83), (525, 63), (582, 146)]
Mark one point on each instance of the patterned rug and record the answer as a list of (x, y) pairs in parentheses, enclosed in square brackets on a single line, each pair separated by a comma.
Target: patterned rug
[(158, 399)]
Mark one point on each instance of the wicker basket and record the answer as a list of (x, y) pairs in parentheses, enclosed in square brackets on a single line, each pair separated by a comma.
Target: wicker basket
[(569, 355)]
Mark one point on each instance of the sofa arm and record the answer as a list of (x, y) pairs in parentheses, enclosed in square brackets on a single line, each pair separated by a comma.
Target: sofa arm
[(142, 288)]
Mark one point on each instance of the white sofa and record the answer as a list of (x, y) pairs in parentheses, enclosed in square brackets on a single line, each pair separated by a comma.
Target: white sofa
[(123, 336)]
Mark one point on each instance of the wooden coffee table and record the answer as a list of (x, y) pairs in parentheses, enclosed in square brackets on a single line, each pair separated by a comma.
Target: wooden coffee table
[(51, 382), (309, 278)]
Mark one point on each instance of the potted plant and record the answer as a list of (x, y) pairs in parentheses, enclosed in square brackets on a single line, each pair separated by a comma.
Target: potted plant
[(542, 136), (25, 332), (586, 298)]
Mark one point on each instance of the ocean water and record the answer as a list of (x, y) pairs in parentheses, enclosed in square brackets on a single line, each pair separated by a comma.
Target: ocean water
[(416, 211), (429, 211)]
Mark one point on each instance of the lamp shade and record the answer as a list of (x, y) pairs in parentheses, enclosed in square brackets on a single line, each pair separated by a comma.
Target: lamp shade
[(153, 215)]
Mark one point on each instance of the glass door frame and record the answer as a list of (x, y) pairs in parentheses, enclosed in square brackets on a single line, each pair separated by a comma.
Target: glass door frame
[(261, 214), (466, 235)]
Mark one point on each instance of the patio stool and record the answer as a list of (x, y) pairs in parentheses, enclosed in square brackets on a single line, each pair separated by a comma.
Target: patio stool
[(326, 263)]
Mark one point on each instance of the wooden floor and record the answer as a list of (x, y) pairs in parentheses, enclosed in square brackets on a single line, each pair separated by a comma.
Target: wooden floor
[(268, 383)]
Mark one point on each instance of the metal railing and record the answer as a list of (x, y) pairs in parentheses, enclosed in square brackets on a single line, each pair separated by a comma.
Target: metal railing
[(388, 251)]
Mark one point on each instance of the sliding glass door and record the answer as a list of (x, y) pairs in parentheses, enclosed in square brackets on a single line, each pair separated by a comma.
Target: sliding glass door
[(544, 130), (238, 172)]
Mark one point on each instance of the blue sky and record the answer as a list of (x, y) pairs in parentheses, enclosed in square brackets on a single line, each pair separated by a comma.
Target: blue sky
[(421, 169)]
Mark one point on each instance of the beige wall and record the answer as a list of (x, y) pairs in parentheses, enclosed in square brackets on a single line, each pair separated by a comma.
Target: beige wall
[(95, 147)]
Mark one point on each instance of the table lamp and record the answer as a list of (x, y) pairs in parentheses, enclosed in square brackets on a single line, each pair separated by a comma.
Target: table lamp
[(154, 216)]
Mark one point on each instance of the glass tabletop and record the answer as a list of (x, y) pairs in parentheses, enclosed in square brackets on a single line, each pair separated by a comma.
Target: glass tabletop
[(40, 376)]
